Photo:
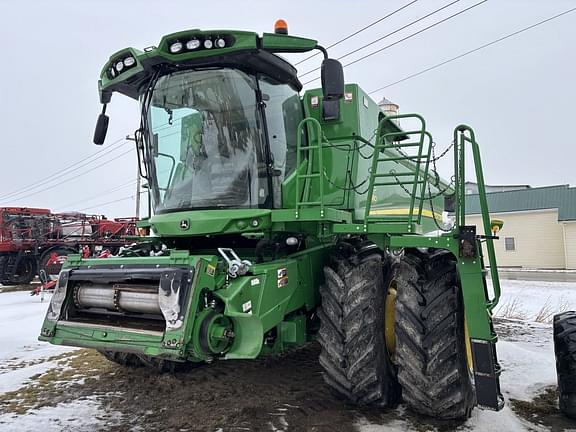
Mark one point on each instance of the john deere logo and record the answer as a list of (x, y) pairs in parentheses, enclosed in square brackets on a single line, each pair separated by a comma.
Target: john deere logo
[(184, 224)]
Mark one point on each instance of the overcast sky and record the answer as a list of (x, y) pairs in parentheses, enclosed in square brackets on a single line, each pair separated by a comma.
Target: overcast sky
[(518, 95)]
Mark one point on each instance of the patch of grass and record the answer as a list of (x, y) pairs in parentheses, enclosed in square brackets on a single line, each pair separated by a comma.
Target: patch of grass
[(24, 364), (49, 388), (512, 309), (543, 410), (544, 404)]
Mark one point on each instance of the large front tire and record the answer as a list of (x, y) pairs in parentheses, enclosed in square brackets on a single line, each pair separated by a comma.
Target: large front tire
[(430, 336), (565, 350), (354, 357)]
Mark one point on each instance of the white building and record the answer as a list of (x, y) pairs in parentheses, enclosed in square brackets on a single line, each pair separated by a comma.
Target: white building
[(539, 226)]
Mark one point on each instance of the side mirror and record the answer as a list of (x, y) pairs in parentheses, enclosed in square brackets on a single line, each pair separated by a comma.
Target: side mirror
[(101, 129), (332, 77)]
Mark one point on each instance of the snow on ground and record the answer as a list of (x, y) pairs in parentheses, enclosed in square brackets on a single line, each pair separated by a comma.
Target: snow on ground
[(528, 367), (525, 351), (20, 322), (21, 354), (23, 357), (525, 299), (77, 416)]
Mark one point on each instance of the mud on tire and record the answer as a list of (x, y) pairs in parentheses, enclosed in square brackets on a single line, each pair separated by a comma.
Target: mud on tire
[(565, 349), (430, 346), (356, 364)]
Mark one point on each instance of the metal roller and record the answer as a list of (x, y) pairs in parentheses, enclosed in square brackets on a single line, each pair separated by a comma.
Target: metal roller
[(128, 298)]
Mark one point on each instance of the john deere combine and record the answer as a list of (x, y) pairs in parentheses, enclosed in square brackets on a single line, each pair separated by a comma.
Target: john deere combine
[(280, 218)]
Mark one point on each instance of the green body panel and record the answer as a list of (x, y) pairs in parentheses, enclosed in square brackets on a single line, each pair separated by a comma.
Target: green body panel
[(284, 43), (201, 222), (348, 141), (255, 304), (359, 176)]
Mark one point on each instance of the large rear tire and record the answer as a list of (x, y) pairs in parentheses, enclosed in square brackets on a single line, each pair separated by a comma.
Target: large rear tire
[(354, 356), (24, 274), (3, 261), (430, 336), (565, 349), (51, 260), (26, 271)]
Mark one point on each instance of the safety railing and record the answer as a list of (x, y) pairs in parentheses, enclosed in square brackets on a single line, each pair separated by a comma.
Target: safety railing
[(464, 134), (412, 178), (314, 167)]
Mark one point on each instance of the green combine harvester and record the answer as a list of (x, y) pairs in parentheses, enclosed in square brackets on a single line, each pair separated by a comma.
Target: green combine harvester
[(278, 218)]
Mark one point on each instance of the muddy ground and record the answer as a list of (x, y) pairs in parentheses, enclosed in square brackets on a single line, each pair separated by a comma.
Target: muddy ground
[(278, 394)]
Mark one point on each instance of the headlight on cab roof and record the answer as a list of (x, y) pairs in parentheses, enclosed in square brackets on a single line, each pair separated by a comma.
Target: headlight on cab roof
[(120, 65), (197, 42)]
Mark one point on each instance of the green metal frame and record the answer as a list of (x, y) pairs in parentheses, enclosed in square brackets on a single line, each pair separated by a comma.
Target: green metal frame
[(314, 167), (463, 135), (322, 203), (386, 141)]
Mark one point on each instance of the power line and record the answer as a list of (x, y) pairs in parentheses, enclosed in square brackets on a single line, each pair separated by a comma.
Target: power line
[(74, 177), (473, 50), (106, 192), (359, 31), (108, 202), (64, 171), (408, 37), (386, 35), (75, 167)]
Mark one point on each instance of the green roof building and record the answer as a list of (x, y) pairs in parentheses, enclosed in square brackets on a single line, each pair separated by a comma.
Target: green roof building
[(539, 226)]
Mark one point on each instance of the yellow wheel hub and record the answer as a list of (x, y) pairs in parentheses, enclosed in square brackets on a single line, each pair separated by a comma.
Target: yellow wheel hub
[(468, 345), (390, 318)]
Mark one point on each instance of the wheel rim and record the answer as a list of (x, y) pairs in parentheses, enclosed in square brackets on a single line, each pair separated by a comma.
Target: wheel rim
[(468, 346), (390, 318)]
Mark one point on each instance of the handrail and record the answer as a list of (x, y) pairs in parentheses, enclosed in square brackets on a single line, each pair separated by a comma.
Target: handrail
[(381, 144), (460, 140), (310, 147)]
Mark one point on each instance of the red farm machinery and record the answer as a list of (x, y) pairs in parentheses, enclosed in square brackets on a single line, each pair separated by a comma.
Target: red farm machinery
[(35, 239)]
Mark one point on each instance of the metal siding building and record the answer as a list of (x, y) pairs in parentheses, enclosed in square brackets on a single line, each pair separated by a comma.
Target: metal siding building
[(539, 226)]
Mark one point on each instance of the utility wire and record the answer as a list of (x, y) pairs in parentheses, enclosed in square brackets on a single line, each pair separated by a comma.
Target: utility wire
[(386, 35), (108, 202), (63, 172), (473, 50), (74, 166), (358, 31), (106, 192), (76, 176), (407, 37)]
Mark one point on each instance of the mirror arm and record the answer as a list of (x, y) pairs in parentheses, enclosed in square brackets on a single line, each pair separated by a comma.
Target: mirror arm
[(322, 50)]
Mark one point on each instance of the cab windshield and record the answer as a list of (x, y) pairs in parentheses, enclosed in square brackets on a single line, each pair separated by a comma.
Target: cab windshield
[(206, 141)]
